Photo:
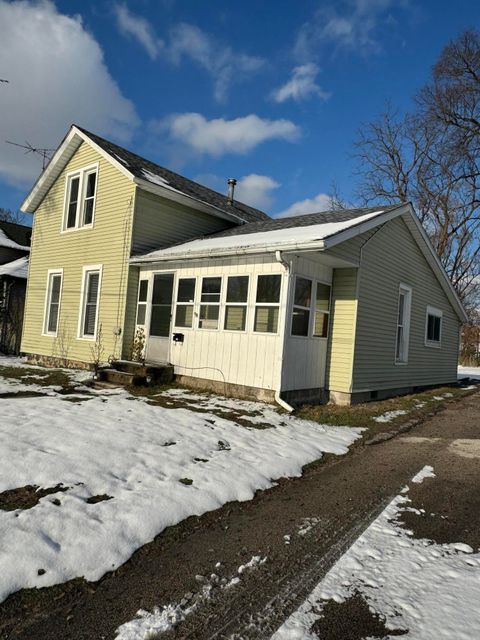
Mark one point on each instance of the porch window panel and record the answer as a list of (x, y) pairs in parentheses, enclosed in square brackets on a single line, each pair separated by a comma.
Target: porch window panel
[(302, 301), (236, 307), (268, 288), (266, 319), (235, 317), (185, 301), (210, 299), (322, 310), (209, 314), (142, 302), (184, 316)]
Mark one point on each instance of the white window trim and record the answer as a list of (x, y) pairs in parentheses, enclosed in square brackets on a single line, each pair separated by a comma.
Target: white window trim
[(203, 303), (433, 311), (313, 311), (51, 272), (245, 304), (81, 315), (184, 304), (267, 304), (81, 173), (404, 288)]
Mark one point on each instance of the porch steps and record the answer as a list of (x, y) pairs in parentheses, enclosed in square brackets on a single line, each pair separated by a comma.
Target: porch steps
[(122, 373)]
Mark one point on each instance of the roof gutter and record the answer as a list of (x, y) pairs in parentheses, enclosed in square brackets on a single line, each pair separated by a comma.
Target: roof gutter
[(317, 245)]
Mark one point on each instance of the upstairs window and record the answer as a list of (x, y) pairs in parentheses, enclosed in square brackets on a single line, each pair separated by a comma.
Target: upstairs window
[(433, 327), (210, 303), (236, 303), (403, 324), (80, 198), (185, 302), (267, 303)]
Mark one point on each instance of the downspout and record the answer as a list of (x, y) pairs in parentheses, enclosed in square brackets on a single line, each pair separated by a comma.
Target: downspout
[(278, 399)]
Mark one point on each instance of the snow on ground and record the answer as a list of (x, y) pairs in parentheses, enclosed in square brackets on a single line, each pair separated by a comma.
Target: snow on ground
[(159, 465), (388, 416), (426, 472), (431, 590), (469, 372)]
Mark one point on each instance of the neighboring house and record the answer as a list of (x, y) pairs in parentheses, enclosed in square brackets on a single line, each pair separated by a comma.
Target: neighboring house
[(350, 305), (14, 250)]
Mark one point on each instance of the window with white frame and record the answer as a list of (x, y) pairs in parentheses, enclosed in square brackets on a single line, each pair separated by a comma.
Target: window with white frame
[(210, 303), (80, 198), (302, 302), (142, 302), (433, 327), (236, 303), (322, 310), (267, 303), (185, 302), (90, 300), (403, 324), (52, 302)]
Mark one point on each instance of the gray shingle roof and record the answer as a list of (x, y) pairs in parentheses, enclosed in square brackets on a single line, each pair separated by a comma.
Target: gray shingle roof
[(19, 233), (323, 217), (138, 166)]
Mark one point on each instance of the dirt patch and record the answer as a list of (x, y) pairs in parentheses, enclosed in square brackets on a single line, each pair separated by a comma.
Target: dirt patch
[(101, 497), (351, 620), (26, 497), (23, 394)]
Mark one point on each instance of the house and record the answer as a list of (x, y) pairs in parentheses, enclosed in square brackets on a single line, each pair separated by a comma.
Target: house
[(14, 250), (348, 305)]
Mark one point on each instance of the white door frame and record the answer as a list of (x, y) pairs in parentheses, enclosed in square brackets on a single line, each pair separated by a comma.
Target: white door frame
[(163, 342)]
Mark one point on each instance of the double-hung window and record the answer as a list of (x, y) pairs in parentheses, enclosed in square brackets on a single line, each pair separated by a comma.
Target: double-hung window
[(433, 327), (142, 302), (185, 302), (403, 324), (52, 302), (90, 302), (210, 303), (80, 198), (236, 303), (267, 303), (302, 302)]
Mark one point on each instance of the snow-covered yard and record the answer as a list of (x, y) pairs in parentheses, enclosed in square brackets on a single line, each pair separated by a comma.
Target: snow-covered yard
[(469, 372), (130, 469), (418, 587)]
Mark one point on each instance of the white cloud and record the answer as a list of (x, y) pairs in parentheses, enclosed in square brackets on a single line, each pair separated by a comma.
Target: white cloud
[(57, 75), (221, 62), (350, 24), (301, 85), (187, 41), (320, 202), (219, 136), (138, 28), (256, 190)]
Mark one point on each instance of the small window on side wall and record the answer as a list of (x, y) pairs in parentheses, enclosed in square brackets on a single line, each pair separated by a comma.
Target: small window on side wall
[(52, 307), (185, 302), (267, 303), (322, 310), (90, 302), (302, 302), (433, 327)]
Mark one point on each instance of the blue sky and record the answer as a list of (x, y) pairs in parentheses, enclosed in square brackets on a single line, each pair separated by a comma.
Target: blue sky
[(271, 93)]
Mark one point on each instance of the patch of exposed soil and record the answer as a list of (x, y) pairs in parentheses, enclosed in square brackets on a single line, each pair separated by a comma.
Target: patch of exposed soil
[(26, 497), (101, 497), (22, 394), (351, 620)]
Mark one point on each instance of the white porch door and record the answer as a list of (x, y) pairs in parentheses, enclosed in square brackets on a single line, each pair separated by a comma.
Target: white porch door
[(158, 346)]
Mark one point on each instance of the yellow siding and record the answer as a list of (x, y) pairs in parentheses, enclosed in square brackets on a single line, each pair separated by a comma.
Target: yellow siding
[(107, 243), (342, 332)]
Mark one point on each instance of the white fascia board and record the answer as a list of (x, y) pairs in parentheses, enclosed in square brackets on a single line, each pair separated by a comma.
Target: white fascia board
[(358, 229), (182, 198)]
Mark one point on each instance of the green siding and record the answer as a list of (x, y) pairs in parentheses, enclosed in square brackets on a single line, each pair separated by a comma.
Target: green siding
[(391, 257), (342, 330)]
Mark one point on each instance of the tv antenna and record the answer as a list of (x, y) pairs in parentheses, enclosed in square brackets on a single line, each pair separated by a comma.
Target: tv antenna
[(46, 154), (3, 80)]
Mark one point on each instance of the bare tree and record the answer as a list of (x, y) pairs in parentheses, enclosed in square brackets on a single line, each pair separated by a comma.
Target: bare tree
[(431, 158)]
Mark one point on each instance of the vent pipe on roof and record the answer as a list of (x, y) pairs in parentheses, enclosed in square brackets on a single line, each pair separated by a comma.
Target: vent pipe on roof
[(231, 189)]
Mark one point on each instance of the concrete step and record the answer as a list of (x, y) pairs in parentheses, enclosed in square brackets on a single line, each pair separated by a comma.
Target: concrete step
[(98, 384), (137, 368), (120, 378)]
